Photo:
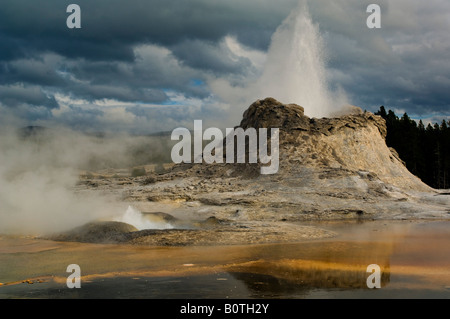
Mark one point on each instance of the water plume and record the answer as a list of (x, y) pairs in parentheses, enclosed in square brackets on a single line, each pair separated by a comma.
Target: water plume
[(295, 69)]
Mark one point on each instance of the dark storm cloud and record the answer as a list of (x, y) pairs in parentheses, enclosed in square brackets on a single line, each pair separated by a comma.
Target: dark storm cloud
[(111, 27), (403, 65), (210, 57), (153, 67), (14, 95), (32, 71), (129, 51), (142, 51), (120, 93)]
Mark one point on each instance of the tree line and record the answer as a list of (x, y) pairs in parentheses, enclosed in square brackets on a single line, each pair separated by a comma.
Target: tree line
[(424, 149)]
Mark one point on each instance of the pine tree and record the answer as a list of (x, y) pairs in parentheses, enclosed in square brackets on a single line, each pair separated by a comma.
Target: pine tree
[(425, 150)]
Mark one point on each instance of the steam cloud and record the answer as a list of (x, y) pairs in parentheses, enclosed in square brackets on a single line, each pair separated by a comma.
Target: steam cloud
[(38, 173), (294, 70)]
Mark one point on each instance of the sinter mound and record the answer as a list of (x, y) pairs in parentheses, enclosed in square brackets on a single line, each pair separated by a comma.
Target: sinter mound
[(352, 144)]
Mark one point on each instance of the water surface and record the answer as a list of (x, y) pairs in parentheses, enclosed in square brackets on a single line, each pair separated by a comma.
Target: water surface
[(414, 258)]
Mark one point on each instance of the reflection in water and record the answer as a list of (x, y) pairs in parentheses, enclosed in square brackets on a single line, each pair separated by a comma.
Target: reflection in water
[(318, 265), (414, 260)]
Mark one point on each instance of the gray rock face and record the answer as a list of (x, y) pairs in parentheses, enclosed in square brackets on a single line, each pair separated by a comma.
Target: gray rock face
[(351, 143), (290, 117), (271, 113)]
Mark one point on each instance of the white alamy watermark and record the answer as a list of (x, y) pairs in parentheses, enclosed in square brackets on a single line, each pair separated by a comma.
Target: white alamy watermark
[(374, 19), (73, 21), (74, 279), (374, 279), (213, 152)]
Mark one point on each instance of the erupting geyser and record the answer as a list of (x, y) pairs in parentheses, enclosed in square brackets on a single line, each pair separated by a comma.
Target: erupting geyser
[(295, 68)]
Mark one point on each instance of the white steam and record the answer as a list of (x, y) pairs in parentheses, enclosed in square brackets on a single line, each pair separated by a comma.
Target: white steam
[(39, 174), (134, 217)]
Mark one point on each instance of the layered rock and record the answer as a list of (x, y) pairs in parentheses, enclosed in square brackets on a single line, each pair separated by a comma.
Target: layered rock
[(354, 143)]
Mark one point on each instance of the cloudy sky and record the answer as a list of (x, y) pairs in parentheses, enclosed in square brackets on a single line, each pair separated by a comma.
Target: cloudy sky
[(149, 65)]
